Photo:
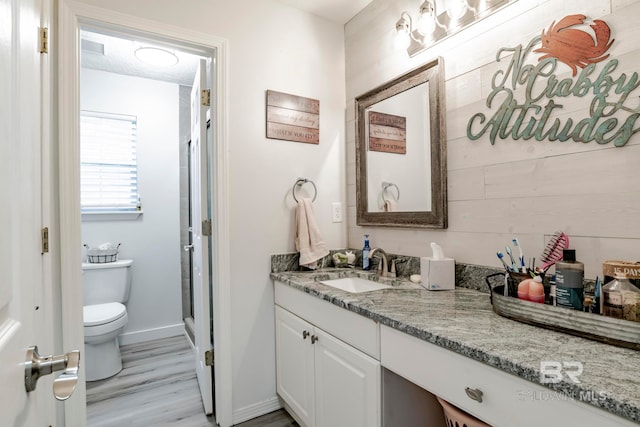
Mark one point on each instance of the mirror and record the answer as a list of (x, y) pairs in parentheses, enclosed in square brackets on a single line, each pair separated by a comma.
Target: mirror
[(401, 175)]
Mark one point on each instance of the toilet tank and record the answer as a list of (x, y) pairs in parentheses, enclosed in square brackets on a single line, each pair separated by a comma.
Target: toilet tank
[(108, 282)]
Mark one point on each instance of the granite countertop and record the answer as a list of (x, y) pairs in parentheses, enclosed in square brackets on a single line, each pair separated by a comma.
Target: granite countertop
[(463, 321)]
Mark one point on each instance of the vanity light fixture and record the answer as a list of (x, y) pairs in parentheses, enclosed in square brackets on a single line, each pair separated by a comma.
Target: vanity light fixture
[(433, 26), (156, 56)]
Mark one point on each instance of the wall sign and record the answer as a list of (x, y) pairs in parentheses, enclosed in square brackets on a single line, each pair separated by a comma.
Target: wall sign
[(610, 107), (293, 118), (387, 133)]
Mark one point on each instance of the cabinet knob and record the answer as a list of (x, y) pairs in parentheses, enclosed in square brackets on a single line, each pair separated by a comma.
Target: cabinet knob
[(314, 339), (305, 334), (474, 394)]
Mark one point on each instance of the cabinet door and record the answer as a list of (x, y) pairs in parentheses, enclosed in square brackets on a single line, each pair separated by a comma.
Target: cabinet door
[(347, 385), (294, 364)]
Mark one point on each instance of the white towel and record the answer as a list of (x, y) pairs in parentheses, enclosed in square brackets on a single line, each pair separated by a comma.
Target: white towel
[(309, 241), (390, 206)]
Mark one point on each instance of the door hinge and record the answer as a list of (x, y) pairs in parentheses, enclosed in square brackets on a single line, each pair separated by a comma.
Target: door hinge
[(205, 97), (206, 227), (44, 40), (44, 234), (209, 357)]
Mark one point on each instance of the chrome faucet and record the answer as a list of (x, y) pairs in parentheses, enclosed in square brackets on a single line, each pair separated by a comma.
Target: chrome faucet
[(383, 265)]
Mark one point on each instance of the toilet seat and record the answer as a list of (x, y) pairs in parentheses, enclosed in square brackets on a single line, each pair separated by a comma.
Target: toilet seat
[(101, 314)]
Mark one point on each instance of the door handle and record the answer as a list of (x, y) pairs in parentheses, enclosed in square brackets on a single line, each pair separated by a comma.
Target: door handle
[(187, 248), (37, 366)]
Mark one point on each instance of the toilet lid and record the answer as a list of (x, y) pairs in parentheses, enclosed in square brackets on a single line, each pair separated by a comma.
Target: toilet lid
[(99, 314)]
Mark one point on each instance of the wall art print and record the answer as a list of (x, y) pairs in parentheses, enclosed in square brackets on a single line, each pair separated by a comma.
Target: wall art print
[(528, 97)]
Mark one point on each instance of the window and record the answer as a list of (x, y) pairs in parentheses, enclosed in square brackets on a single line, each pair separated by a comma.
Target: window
[(108, 165)]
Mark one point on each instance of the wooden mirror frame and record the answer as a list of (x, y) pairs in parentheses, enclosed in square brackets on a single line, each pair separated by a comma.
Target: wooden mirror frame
[(432, 72)]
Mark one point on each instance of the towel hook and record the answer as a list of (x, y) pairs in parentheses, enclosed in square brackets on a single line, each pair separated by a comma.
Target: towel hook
[(386, 186), (299, 183)]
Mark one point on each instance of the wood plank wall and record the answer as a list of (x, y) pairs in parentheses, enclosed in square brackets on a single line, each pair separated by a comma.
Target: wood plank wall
[(524, 189)]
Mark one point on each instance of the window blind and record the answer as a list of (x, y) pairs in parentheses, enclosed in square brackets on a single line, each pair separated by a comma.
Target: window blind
[(108, 162)]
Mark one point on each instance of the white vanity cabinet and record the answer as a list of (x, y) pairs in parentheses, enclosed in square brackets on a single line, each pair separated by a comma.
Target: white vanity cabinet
[(323, 379), (498, 398), (295, 367)]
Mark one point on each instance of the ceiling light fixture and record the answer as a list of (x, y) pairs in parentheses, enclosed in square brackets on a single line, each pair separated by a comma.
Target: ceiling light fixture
[(433, 27), (156, 56)]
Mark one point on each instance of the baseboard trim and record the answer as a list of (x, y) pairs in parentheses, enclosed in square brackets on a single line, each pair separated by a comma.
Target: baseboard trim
[(256, 410), (151, 334)]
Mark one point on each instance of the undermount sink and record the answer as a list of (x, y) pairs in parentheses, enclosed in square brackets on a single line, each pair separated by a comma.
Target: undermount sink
[(354, 284)]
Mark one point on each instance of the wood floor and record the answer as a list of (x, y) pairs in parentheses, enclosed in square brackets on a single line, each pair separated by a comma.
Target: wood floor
[(157, 387)]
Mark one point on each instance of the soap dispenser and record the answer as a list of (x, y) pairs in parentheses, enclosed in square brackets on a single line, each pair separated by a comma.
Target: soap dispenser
[(365, 253)]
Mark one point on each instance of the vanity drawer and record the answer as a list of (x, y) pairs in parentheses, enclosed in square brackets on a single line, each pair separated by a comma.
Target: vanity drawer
[(358, 331), (505, 397)]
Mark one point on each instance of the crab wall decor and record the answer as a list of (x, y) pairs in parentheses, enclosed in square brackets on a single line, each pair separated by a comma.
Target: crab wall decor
[(575, 47)]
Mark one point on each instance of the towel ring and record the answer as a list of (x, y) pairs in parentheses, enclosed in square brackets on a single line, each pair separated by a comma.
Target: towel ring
[(299, 183), (386, 186)]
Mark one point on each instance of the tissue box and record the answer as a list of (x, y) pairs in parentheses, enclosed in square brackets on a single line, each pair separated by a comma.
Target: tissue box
[(438, 274)]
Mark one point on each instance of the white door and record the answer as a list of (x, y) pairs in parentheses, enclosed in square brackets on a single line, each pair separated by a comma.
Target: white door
[(199, 213), (347, 385), (294, 364), (25, 311)]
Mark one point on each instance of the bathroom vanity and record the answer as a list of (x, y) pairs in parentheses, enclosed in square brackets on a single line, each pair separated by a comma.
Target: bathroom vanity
[(333, 348)]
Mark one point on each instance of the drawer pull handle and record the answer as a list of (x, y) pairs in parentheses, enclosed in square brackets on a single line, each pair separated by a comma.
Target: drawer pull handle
[(474, 393), (305, 334), (314, 339)]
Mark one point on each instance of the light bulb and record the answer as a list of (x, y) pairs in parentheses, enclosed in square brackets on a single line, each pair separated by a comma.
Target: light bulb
[(403, 38), (427, 22), (456, 9)]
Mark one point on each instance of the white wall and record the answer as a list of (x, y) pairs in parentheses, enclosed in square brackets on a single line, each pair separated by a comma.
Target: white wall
[(271, 46), (523, 189), (153, 240)]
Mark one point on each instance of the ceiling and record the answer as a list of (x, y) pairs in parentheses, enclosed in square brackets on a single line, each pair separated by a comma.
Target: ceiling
[(107, 52), (116, 54), (339, 11)]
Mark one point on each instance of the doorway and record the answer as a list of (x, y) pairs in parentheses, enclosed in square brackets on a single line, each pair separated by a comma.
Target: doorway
[(74, 15), (138, 191)]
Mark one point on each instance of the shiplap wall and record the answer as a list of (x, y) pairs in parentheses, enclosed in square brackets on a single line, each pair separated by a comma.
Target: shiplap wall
[(524, 189)]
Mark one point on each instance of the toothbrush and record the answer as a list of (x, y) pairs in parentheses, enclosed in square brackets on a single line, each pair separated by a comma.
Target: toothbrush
[(523, 266), (513, 261), (501, 258)]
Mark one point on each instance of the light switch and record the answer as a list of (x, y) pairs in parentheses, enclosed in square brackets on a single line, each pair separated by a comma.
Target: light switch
[(336, 211)]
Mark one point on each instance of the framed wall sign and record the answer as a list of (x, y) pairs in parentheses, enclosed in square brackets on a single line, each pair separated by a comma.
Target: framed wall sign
[(387, 133), (293, 118)]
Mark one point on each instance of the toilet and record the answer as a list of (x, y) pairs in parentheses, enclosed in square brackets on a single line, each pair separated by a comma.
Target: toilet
[(106, 288)]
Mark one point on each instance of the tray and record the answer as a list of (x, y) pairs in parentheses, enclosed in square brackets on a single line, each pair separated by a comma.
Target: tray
[(617, 332)]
